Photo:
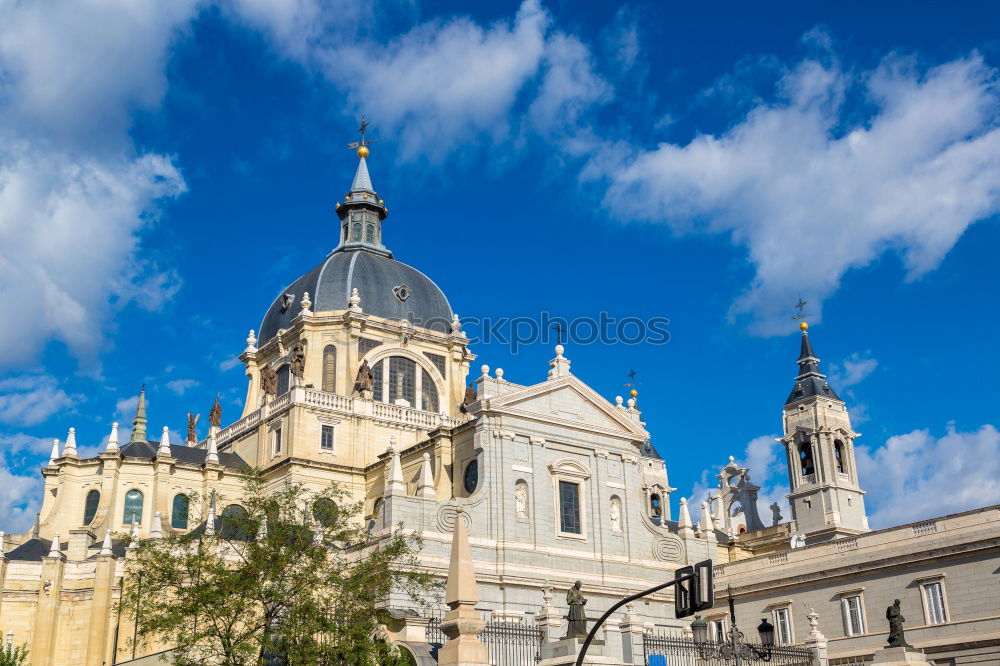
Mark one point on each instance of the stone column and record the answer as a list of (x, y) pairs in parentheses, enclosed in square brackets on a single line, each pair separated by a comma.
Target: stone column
[(632, 629), (462, 624)]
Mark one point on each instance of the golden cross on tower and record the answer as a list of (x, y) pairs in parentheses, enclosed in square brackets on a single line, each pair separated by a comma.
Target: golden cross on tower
[(362, 145)]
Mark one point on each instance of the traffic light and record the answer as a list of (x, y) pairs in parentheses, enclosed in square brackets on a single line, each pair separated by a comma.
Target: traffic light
[(693, 589)]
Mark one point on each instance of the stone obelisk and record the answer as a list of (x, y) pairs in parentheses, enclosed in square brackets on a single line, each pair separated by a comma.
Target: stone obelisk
[(462, 624)]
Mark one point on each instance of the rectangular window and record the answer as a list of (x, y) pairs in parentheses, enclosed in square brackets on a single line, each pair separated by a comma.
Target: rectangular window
[(934, 600), (569, 507), (782, 626), (377, 381), (854, 617), (717, 630), (326, 438), (283, 374), (277, 442)]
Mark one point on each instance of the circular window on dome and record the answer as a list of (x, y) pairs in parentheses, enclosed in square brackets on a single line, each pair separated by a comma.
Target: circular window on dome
[(402, 292), (472, 476)]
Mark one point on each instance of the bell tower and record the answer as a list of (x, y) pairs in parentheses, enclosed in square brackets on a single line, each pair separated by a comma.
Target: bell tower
[(826, 498)]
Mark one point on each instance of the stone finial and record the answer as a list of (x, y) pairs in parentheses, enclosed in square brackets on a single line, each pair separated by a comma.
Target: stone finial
[(210, 521), (559, 366), (631, 404), (684, 520), (251, 342), (164, 449), (54, 550), (156, 527), (106, 546), (499, 374), (425, 488), (112, 446), (462, 623), (70, 448), (394, 472), (708, 528), (213, 448), (485, 369), (618, 401), (813, 618), (55, 453), (456, 326), (354, 302), (134, 535), (305, 305), (10, 639)]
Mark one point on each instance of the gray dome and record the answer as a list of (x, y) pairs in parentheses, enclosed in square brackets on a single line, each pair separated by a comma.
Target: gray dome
[(379, 280)]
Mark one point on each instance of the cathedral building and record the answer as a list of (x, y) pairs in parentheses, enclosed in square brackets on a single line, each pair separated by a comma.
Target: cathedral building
[(359, 374)]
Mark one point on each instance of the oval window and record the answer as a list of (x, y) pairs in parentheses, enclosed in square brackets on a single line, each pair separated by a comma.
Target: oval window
[(133, 507), (90, 506), (471, 476), (325, 512)]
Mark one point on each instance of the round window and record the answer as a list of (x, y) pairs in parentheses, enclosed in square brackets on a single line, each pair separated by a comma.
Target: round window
[(471, 476)]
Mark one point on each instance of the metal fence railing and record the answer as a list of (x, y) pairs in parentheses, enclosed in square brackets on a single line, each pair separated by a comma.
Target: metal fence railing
[(508, 643), (675, 651)]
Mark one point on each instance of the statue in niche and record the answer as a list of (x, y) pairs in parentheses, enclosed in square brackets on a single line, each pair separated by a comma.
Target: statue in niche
[(192, 431), (297, 361), (775, 514), (896, 619), (364, 382), (269, 381), (577, 617), (215, 414), (616, 515), (521, 500)]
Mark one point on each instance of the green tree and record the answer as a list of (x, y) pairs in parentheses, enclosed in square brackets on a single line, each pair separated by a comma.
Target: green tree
[(292, 578)]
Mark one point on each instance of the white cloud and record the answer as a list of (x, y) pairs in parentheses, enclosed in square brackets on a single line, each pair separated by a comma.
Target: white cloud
[(852, 370), (20, 443), (917, 476), (812, 190), (19, 500), (30, 399), (569, 85), (230, 363), (180, 386), (74, 196)]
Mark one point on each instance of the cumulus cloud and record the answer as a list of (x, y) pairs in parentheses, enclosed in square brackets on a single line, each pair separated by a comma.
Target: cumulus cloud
[(26, 400), (74, 193), (19, 500), (813, 188), (852, 370), (917, 475)]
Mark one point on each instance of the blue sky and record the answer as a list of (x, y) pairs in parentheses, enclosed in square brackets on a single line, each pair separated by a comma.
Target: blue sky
[(167, 168)]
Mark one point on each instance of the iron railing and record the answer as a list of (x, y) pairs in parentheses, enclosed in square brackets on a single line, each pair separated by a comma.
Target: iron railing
[(509, 643), (659, 650)]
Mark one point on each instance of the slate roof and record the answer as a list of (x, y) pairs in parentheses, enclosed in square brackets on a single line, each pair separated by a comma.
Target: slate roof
[(32, 550), (187, 454), (810, 381)]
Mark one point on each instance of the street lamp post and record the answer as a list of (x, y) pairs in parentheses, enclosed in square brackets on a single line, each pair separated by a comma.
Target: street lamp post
[(736, 649)]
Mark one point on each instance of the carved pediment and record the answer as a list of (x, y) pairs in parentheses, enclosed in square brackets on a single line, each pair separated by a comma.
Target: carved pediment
[(570, 402)]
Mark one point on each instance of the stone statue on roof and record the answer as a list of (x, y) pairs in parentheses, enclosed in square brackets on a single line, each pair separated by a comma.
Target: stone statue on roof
[(297, 361), (364, 382), (215, 414), (192, 431), (269, 381)]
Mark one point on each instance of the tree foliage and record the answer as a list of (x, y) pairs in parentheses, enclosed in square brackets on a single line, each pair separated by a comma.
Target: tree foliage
[(294, 579), (13, 656)]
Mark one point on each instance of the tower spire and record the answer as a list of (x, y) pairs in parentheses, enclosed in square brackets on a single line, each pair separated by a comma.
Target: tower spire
[(810, 381), (139, 422), (361, 212)]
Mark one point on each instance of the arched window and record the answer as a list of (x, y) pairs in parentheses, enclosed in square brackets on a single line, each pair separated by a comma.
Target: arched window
[(377, 508), (179, 512), (471, 478), (806, 458), (133, 507), (356, 232), (234, 523), (838, 453), (370, 233), (377, 393), (330, 369), (283, 374), (428, 393), (90, 506), (325, 512)]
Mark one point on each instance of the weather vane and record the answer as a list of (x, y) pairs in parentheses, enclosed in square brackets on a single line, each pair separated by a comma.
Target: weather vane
[(631, 384), (801, 307), (362, 145)]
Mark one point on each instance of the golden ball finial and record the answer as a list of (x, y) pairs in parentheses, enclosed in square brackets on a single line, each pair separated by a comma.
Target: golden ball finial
[(804, 326), (362, 151), (633, 393)]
